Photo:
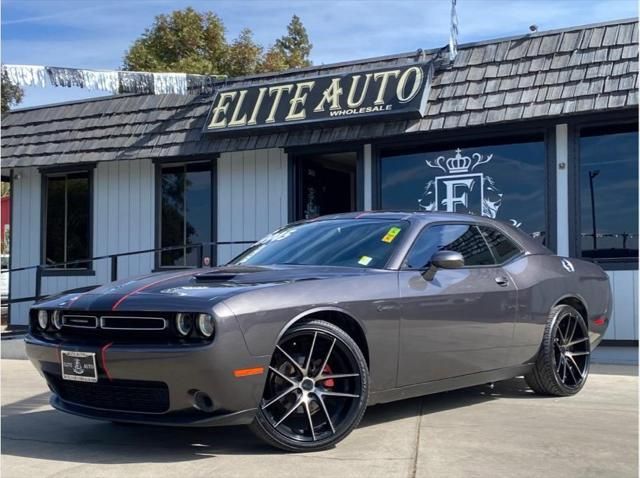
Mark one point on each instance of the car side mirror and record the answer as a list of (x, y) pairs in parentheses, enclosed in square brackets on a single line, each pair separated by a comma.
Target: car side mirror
[(443, 260), (447, 260)]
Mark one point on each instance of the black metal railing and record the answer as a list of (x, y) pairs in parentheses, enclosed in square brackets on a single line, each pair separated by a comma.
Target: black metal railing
[(113, 258)]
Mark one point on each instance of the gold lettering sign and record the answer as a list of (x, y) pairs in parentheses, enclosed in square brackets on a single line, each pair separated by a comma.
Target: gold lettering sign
[(401, 91)]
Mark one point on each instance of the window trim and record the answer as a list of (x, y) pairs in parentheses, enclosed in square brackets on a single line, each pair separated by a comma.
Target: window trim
[(495, 135), (575, 225), (173, 162), (404, 268), (45, 173)]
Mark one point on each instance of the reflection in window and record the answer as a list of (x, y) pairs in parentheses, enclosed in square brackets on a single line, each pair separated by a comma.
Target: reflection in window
[(461, 238), (337, 242), (503, 181), (501, 246), (68, 219), (186, 212), (609, 192)]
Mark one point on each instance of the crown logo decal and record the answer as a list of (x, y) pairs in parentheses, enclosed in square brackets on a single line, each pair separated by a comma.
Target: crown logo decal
[(459, 163)]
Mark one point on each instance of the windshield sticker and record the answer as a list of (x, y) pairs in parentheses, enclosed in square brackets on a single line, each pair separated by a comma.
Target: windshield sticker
[(391, 234), (365, 260)]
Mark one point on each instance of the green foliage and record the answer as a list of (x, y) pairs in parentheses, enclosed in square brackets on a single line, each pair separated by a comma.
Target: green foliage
[(273, 60), (244, 55), (11, 94), (295, 45), (195, 42), (183, 41)]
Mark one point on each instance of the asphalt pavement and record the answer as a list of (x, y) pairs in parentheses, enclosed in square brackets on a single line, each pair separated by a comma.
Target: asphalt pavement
[(477, 432)]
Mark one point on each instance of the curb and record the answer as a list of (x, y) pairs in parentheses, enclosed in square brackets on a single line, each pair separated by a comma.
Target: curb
[(13, 347)]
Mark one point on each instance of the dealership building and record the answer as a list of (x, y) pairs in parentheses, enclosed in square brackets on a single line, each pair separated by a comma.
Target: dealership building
[(538, 130)]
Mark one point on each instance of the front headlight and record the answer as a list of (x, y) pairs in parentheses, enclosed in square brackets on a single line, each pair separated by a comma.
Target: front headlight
[(56, 319), (43, 319), (206, 325), (184, 324)]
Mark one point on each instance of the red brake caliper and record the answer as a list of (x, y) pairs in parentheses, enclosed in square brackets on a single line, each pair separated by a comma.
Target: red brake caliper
[(328, 383)]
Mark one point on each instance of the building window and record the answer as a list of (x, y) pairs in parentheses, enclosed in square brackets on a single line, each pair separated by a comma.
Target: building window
[(186, 213), (608, 198), (505, 180), (326, 184), (67, 219)]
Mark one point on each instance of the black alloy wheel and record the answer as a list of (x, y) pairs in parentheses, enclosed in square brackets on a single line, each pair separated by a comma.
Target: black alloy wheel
[(316, 389), (563, 362)]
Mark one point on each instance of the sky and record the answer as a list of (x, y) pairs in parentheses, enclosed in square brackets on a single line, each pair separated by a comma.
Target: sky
[(96, 33)]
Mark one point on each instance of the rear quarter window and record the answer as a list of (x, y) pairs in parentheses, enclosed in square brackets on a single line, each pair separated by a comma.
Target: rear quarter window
[(502, 247)]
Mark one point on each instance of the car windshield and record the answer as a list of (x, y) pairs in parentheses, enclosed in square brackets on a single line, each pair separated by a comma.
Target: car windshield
[(336, 242)]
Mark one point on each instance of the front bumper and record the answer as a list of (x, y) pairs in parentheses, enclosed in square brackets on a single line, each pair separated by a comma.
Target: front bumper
[(175, 372), (186, 419)]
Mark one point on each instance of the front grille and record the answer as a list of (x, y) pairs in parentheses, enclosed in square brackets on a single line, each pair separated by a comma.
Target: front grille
[(80, 321), (140, 327), (120, 395), (132, 323)]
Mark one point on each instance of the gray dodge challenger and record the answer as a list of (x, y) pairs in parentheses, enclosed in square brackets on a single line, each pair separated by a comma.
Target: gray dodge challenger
[(301, 332)]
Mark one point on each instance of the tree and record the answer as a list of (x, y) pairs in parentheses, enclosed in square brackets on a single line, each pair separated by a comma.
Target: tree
[(243, 55), (11, 94), (192, 42), (273, 60), (295, 45), (183, 41)]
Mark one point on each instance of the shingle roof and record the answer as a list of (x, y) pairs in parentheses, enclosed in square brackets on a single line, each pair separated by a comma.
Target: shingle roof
[(540, 75)]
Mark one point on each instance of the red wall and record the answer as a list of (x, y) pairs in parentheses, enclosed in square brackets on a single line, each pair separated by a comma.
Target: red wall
[(5, 214)]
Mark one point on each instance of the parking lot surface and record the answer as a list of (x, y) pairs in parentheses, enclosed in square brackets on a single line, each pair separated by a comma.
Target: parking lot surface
[(476, 432)]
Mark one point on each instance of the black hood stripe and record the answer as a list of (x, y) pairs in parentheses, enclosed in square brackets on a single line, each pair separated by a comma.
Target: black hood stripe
[(146, 286)]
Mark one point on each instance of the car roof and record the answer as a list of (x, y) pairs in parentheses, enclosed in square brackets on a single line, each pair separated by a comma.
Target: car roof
[(422, 216), (425, 217)]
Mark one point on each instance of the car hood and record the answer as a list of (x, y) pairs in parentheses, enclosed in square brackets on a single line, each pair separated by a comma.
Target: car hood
[(187, 290)]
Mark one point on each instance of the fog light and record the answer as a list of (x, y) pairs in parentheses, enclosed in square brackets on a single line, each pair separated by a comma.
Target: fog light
[(184, 324), (43, 319), (56, 319), (203, 402), (206, 325)]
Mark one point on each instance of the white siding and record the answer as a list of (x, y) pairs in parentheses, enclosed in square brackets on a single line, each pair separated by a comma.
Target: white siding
[(123, 220), (624, 325), (562, 189), (124, 216), (252, 197), (25, 238)]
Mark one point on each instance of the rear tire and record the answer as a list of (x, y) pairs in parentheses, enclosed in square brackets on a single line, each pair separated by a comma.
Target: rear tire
[(316, 390), (562, 365)]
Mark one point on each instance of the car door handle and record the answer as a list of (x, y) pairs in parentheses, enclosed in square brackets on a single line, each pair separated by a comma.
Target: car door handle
[(502, 281), (387, 306)]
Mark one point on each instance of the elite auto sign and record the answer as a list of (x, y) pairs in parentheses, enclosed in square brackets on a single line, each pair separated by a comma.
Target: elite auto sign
[(400, 91)]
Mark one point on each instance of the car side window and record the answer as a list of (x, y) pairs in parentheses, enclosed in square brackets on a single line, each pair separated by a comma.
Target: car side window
[(463, 238), (501, 246)]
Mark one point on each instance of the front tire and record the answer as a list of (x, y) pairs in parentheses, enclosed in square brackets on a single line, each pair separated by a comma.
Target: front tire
[(316, 390), (562, 366)]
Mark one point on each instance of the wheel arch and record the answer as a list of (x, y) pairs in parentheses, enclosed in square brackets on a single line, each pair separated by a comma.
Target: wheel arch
[(577, 302), (338, 317)]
